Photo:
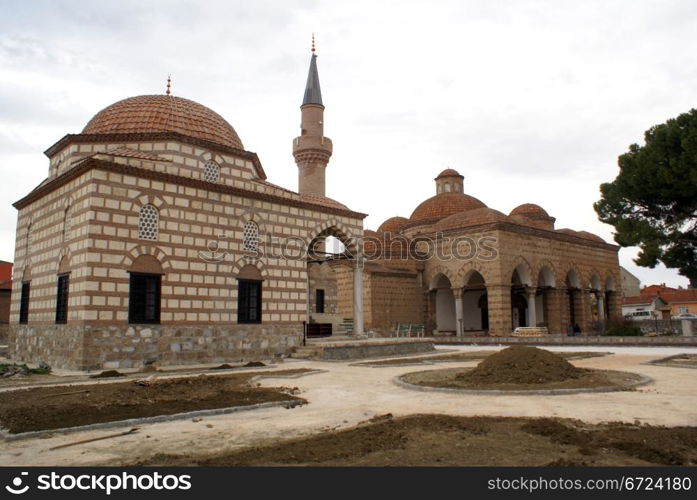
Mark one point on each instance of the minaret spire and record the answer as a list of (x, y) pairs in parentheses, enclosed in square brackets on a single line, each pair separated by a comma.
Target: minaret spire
[(312, 149), (313, 94), (169, 85)]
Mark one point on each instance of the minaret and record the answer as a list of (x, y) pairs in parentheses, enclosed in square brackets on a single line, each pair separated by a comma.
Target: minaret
[(311, 149)]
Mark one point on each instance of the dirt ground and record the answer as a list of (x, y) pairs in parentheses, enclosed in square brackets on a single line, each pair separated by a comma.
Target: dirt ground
[(440, 440), (344, 422), (61, 406)]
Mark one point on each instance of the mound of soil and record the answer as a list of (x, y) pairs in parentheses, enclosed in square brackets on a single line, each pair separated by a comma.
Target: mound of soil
[(522, 365), (442, 440), (108, 374)]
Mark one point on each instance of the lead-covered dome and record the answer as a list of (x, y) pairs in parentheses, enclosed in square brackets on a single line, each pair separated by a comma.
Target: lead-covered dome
[(164, 113)]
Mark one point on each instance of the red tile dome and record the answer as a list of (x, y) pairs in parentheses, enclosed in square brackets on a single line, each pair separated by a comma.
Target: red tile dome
[(530, 210), (163, 113), (393, 225), (449, 172), (444, 204), (469, 218), (591, 236)]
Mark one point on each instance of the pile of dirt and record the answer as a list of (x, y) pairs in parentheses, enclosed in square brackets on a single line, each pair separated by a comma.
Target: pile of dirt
[(442, 440), (224, 366), (108, 374), (522, 365)]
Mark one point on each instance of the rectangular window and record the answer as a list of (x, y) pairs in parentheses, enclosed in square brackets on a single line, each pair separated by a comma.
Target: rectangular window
[(248, 301), (319, 300), (62, 299), (24, 303), (144, 298), (682, 310)]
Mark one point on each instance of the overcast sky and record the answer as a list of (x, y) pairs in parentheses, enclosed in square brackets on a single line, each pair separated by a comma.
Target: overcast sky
[(532, 101)]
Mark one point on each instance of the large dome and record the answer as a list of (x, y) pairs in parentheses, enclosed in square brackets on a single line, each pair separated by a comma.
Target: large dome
[(445, 204), (163, 113)]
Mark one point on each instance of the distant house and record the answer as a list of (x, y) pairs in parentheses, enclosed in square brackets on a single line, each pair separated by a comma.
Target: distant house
[(5, 290), (631, 285), (645, 307), (681, 301)]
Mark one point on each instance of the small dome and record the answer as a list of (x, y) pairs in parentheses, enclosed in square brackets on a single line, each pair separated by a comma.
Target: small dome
[(591, 236), (530, 210), (469, 218), (393, 225), (163, 113), (444, 204), (582, 234), (449, 172)]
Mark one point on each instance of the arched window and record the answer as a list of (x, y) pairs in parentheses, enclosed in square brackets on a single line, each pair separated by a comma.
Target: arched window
[(148, 224), (67, 224), (447, 187), (249, 282), (145, 290), (211, 171), (27, 242), (250, 236)]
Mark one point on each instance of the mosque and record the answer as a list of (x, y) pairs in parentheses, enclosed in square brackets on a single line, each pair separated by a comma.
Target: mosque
[(157, 237)]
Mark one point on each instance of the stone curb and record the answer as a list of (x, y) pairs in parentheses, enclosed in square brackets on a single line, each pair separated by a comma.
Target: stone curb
[(644, 380), (150, 420), (295, 375), (376, 364), (667, 361)]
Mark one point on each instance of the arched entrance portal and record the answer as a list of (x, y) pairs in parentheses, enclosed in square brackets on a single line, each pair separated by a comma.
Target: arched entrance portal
[(475, 315), (334, 303), (520, 287), (445, 304)]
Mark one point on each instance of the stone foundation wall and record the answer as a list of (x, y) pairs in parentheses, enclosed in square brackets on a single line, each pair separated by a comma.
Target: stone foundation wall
[(131, 346), (4, 334)]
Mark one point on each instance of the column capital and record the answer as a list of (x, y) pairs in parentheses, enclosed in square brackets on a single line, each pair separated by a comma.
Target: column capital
[(457, 292)]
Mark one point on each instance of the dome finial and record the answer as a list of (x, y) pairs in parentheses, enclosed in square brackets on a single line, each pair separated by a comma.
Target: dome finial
[(313, 43), (169, 84)]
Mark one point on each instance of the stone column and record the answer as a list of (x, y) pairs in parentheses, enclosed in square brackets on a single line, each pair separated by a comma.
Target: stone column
[(614, 305), (499, 302), (358, 300), (430, 320), (601, 306), (457, 294), (532, 307), (555, 307)]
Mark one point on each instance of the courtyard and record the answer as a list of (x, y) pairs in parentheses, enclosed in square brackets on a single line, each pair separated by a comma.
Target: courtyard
[(360, 405)]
